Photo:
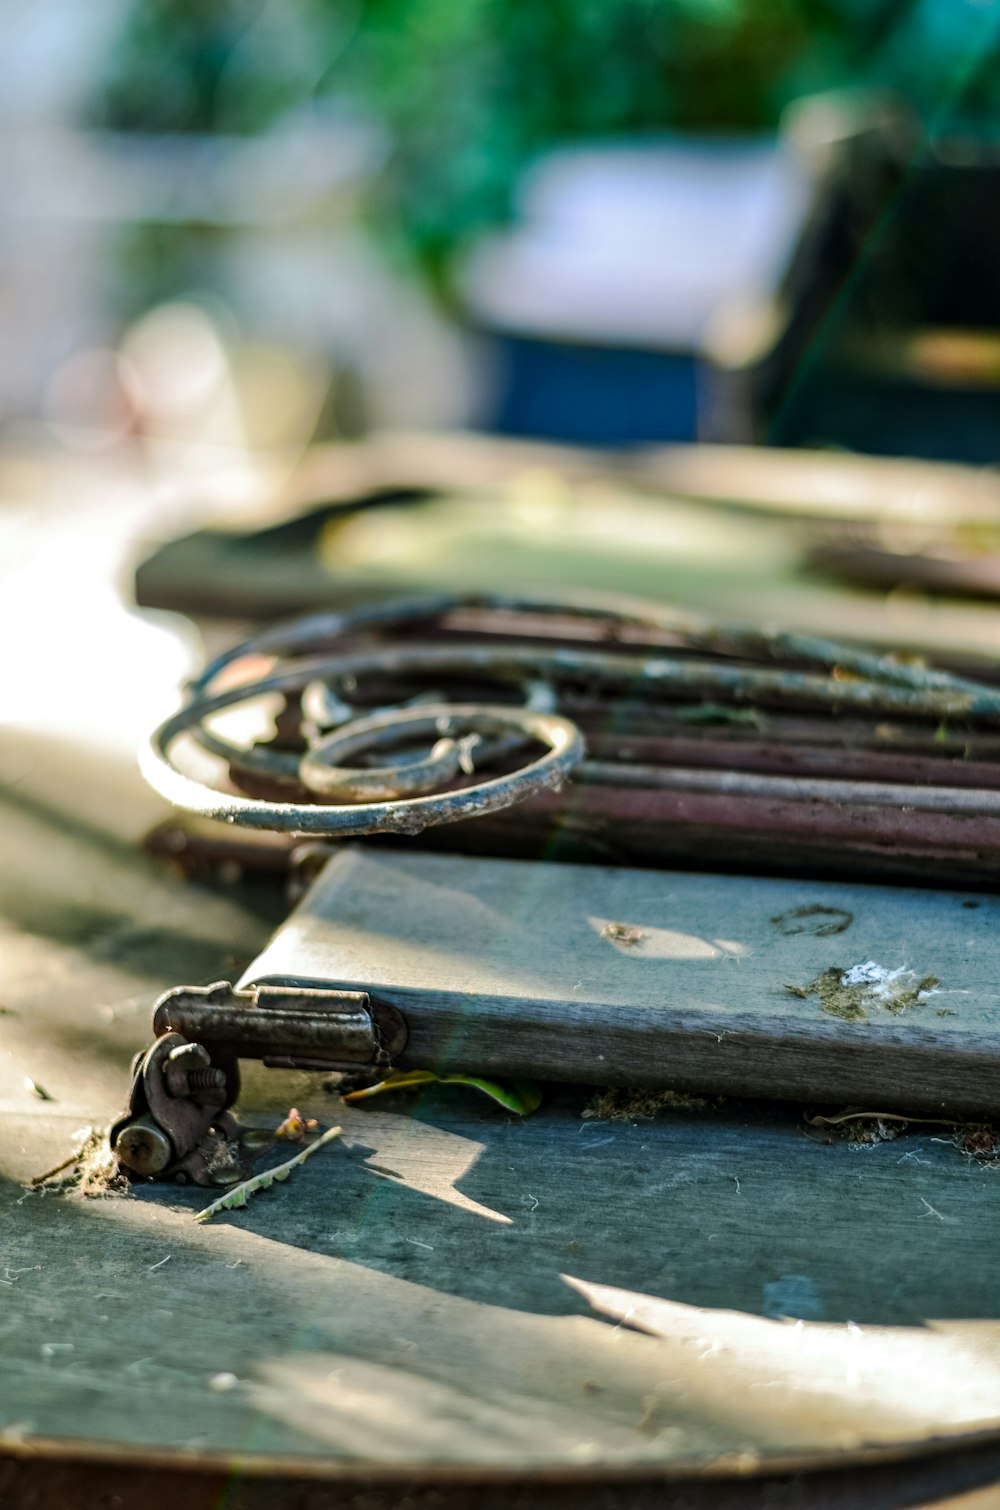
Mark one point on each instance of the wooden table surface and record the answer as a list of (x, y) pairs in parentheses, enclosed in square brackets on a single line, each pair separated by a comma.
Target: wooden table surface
[(398, 1307), (394, 1317)]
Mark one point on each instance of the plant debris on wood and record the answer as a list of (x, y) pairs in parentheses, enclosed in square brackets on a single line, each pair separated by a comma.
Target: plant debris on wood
[(852, 993), (979, 1142), (862, 1127), (626, 934), (866, 1132), (520, 1096), (620, 1104), (295, 1127), (90, 1171), (238, 1197)]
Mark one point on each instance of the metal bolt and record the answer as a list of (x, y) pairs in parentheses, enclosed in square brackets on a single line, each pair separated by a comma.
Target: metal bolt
[(189, 1071), (206, 1079), (143, 1147)]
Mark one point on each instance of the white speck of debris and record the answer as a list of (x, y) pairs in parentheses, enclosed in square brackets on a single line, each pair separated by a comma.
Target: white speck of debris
[(533, 1199), (871, 974), (736, 1181), (952, 1221), (50, 1349), (235, 1265), (221, 1384), (418, 1244), (882, 982), (153, 1267), (12, 1275)]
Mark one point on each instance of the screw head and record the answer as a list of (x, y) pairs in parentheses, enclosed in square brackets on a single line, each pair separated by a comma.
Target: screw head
[(143, 1147)]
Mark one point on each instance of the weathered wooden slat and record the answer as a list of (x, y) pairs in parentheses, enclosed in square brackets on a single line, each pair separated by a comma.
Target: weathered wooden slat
[(699, 982)]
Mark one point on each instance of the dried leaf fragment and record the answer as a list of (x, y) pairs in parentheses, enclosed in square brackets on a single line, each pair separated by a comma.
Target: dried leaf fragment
[(238, 1197), (626, 934), (860, 1114), (295, 1126)]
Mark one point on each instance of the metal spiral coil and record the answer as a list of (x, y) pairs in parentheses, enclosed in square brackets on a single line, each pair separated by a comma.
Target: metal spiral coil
[(642, 652)]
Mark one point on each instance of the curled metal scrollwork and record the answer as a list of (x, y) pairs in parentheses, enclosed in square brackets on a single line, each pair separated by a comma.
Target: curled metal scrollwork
[(325, 666)]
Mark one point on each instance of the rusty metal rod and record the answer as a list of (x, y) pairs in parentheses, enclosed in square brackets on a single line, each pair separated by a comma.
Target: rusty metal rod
[(849, 682), (640, 676), (941, 799), (563, 750)]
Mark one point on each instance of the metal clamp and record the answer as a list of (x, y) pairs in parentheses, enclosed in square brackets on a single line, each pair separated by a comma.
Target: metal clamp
[(179, 1124)]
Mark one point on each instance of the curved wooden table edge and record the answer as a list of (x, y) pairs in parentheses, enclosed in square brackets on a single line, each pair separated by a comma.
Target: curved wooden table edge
[(733, 1467)]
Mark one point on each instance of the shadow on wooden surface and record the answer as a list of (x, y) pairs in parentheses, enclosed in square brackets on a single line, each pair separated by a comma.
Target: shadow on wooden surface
[(419, 1263)]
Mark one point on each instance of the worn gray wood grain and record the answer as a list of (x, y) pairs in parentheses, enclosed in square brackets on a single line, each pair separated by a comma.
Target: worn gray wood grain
[(419, 1316), (351, 1267), (620, 976), (399, 1301)]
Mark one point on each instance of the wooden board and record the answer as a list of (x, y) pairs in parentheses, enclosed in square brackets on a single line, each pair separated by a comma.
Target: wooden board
[(396, 1309), (620, 976)]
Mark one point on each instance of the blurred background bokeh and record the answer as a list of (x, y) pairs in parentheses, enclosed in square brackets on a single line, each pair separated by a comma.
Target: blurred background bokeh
[(606, 221), (233, 235)]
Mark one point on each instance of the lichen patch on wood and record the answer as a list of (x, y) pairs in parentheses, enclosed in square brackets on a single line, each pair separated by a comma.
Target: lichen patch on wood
[(852, 993)]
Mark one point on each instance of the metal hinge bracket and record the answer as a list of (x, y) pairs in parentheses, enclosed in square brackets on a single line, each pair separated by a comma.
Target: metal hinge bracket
[(179, 1124)]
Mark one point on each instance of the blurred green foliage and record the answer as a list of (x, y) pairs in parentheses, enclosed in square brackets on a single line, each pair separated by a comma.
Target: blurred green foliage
[(469, 91)]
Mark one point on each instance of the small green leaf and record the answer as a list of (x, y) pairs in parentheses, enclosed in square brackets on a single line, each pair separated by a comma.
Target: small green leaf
[(519, 1096)]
